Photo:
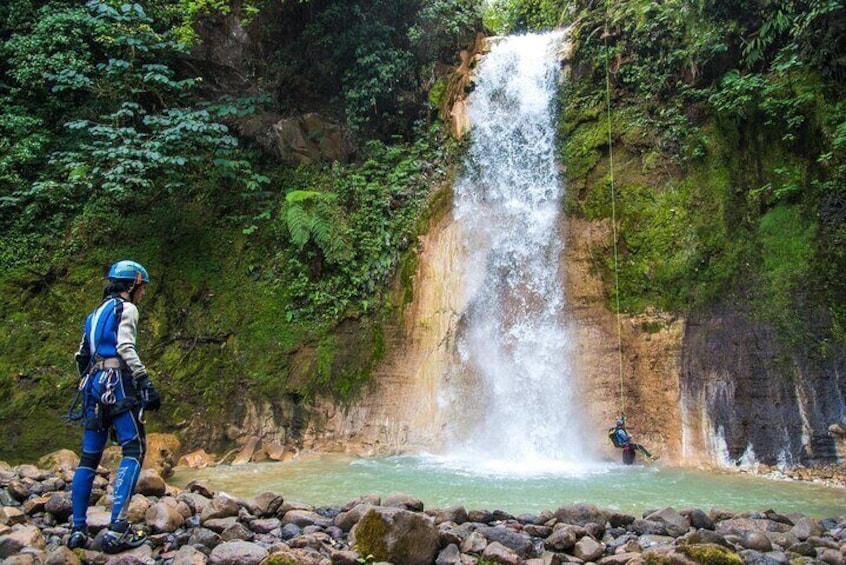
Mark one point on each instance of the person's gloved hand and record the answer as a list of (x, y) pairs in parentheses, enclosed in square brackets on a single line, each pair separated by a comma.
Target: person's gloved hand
[(150, 397)]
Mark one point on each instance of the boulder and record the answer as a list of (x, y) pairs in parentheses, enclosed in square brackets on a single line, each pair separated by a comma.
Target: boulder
[(311, 138), (396, 535), (238, 552), (561, 539), (498, 553), (163, 517), (675, 523), (197, 459), (454, 514), (581, 515), (60, 461), (221, 506), (21, 537), (588, 549), (62, 556), (150, 483), (59, 505), (265, 504), (406, 501), (246, 453), (189, 555)]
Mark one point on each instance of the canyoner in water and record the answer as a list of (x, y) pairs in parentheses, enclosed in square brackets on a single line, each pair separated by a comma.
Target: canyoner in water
[(114, 390), (622, 439)]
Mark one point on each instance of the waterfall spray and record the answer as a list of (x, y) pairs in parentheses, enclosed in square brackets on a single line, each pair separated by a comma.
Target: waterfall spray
[(514, 341)]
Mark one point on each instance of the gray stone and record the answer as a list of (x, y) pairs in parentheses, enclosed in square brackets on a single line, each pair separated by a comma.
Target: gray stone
[(62, 556), (830, 556), (675, 523), (188, 555), (474, 543), (265, 525), (757, 541), (406, 501), (238, 553), (498, 553), (221, 506), (805, 528), (456, 514), (304, 518), (618, 559), (588, 549), (346, 520), (650, 527), (220, 524), (204, 537), (561, 539), (581, 515), (20, 537), (450, 555), (752, 557), (516, 541), (195, 501), (236, 531), (700, 520), (265, 504), (703, 536)]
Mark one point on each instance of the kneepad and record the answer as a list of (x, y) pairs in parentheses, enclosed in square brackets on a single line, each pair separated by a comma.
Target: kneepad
[(134, 448), (90, 460)]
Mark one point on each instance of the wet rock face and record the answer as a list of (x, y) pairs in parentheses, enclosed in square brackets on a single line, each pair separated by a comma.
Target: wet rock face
[(775, 403), (200, 527)]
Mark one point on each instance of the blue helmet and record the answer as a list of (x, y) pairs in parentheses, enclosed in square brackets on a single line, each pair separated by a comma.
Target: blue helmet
[(128, 271)]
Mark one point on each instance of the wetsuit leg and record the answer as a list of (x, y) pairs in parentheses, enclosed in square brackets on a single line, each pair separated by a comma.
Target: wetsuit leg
[(130, 435), (643, 450), (93, 444)]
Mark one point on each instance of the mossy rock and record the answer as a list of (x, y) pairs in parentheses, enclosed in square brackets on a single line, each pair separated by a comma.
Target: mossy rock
[(701, 554), (370, 534)]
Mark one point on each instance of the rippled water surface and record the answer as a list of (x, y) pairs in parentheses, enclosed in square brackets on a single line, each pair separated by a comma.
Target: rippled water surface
[(438, 482)]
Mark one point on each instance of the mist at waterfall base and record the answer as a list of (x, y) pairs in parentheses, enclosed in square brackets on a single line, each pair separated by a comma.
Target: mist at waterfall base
[(514, 436)]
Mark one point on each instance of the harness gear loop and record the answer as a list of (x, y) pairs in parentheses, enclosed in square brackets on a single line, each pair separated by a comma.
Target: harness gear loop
[(613, 211), (110, 379)]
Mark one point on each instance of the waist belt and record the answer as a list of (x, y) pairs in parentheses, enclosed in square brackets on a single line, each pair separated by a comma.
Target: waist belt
[(108, 363)]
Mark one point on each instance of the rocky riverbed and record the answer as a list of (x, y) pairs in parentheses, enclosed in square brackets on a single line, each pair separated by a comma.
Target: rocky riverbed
[(195, 526)]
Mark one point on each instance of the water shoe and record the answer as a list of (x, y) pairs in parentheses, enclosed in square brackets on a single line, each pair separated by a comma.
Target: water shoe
[(122, 537), (78, 538)]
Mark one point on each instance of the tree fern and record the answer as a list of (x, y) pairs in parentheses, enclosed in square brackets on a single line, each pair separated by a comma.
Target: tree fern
[(299, 222)]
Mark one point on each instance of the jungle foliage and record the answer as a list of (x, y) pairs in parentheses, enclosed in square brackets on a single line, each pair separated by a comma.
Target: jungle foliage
[(119, 138), (732, 114)]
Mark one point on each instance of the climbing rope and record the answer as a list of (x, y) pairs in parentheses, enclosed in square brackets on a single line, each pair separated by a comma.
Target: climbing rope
[(613, 213)]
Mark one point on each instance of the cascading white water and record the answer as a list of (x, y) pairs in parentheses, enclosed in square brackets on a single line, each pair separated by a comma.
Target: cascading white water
[(513, 341)]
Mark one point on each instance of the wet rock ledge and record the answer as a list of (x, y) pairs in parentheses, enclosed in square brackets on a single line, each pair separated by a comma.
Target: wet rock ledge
[(196, 526)]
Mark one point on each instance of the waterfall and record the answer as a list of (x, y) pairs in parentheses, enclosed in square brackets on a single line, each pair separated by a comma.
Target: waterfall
[(513, 392)]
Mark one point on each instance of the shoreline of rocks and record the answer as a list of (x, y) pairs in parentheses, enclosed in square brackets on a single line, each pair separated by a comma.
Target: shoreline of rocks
[(196, 526)]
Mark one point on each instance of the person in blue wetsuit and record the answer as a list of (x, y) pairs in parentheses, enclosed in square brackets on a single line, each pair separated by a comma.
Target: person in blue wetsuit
[(114, 390), (621, 438)]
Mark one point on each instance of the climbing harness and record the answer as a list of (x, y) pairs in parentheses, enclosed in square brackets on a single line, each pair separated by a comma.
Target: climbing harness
[(108, 378), (613, 214)]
